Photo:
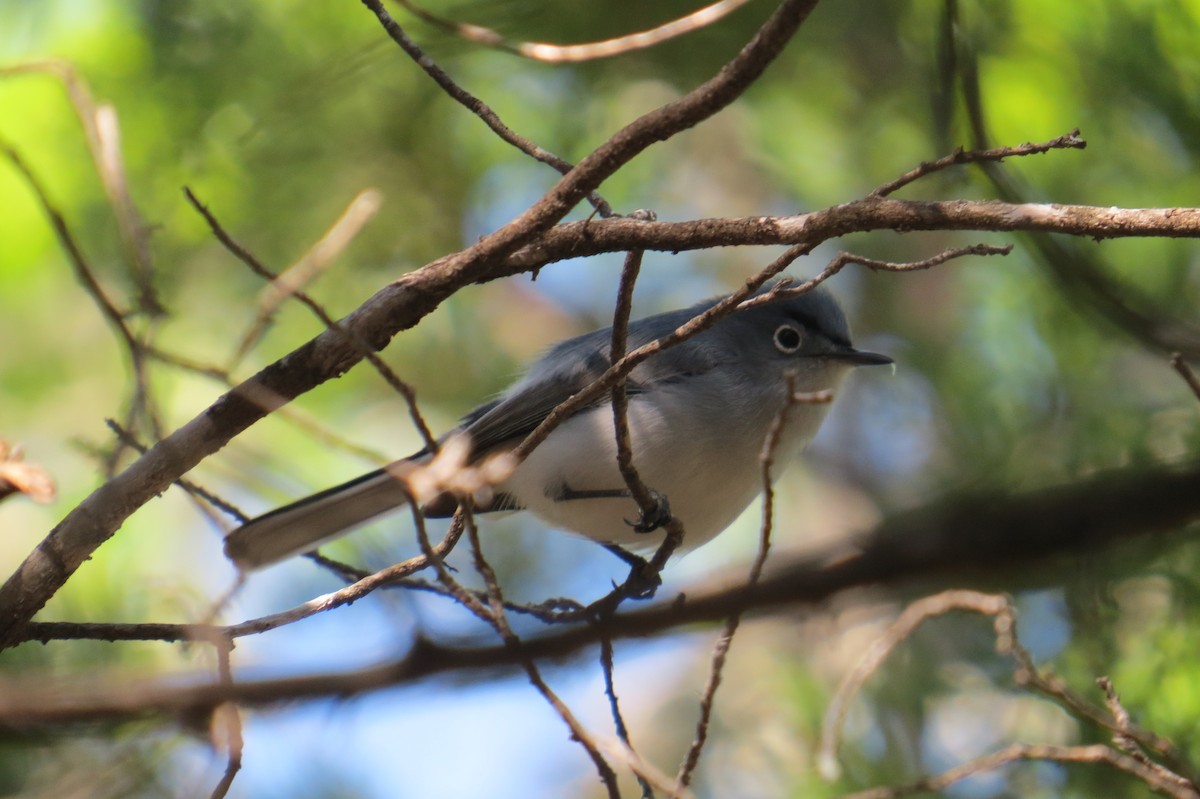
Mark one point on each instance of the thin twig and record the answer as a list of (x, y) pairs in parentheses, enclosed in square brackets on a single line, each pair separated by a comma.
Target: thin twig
[(901, 629), (295, 416), (308, 267), (647, 502), (642, 495), (193, 489), (226, 716), (646, 773), (651, 505), (785, 288), (45, 631), (1134, 761), (493, 615), (140, 403), (623, 366), (1185, 371), (551, 611), (246, 257), (1069, 141), (1025, 674), (589, 51), (464, 597), (1094, 754), (474, 104), (725, 640), (940, 258), (102, 137), (430, 556), (1125, 736), (1011, 531), (614, 705)]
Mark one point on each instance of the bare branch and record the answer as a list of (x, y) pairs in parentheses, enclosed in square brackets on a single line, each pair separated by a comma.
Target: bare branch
[(493, 615), (395, 307), (1134, 760), (589, 51), (623, 366), (1068, 141), (191, 487), (552, 611), (404, 302), (785, 288), (1185, 371), (319, 256), (140, 405), (226, 721), (577, 239), (1009, 531), (47, 631), (475, 105), (102, 136), (614, 705), (916, 614), (651, 505), (725, 640), (646, 500), (1094, 754), (245, 256), (926, 263)]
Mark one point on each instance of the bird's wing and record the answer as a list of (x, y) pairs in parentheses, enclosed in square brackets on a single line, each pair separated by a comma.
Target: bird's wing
[(518, 412), (574, 364)]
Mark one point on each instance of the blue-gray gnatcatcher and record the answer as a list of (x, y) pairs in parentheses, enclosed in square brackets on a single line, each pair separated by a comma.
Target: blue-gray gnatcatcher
[(698, 415)]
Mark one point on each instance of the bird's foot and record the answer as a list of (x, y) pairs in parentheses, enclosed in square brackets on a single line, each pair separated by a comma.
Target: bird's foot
[(654, 519)]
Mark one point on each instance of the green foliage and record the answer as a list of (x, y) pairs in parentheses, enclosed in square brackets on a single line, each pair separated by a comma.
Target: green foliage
[(278, 114)]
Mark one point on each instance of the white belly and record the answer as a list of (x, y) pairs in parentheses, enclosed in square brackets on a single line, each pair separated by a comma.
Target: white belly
[(707, 485)]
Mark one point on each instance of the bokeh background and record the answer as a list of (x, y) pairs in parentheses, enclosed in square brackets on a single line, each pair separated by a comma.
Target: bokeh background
[(1010, 372)]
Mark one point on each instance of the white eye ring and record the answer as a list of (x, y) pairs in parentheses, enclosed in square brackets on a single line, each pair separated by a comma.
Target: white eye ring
[(788, 339)]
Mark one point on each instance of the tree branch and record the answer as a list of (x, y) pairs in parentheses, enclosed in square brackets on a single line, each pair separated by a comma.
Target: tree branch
[(404, 302), (963, 538), (397, 307), (586, 51), (578, 239)]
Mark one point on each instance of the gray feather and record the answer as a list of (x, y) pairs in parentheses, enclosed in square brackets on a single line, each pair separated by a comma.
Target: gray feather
[(562, 371)]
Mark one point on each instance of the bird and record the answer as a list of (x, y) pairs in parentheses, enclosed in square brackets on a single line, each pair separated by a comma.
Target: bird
[(698, 415)]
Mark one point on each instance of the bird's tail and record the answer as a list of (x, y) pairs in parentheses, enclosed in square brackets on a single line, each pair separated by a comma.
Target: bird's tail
[(307, 523)]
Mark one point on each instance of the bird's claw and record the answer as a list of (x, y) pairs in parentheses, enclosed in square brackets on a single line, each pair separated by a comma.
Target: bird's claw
[(656, 518)]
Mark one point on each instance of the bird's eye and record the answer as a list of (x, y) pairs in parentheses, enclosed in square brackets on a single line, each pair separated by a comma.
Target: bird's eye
[(788, 339)]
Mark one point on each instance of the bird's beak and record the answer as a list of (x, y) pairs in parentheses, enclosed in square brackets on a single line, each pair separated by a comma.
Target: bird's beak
[(860, 357)]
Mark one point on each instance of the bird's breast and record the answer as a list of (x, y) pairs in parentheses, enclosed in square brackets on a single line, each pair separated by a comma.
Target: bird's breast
[(708, 467)]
